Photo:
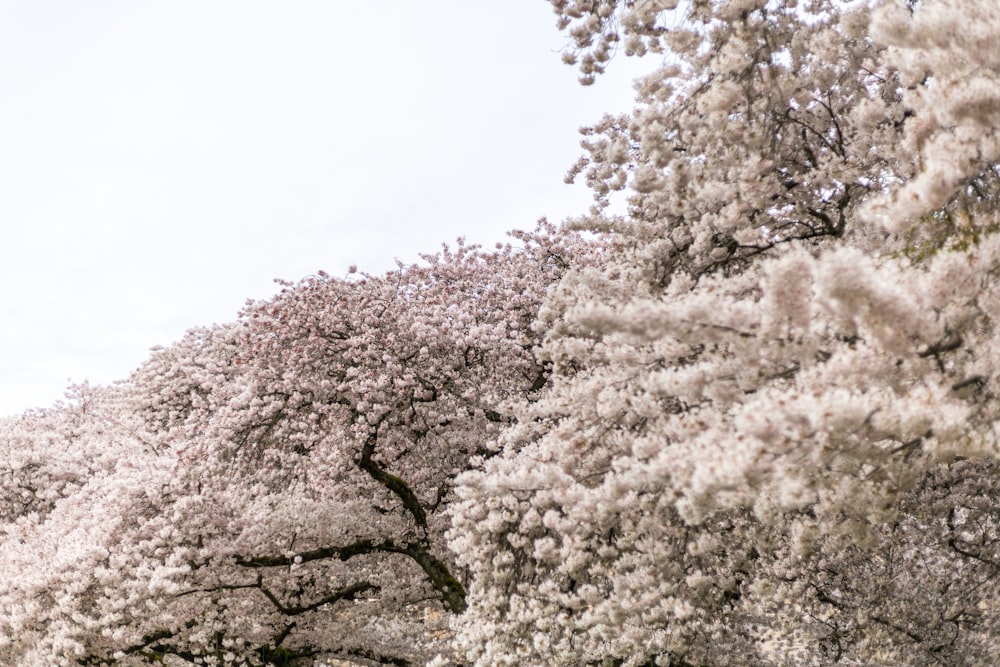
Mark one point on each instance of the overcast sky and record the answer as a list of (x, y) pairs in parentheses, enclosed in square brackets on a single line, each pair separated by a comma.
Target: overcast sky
[(163, 161)]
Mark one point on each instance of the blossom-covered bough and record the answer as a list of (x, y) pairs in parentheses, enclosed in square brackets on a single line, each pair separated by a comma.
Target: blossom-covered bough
[(769, 435), (751, 421)]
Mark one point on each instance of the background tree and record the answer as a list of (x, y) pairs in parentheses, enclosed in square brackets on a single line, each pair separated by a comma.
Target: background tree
[(272, 491)]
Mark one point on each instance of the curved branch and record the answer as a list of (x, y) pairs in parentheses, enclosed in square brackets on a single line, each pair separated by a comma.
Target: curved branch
[(395, 484), (359, 548), (444, 582), (346, 593)]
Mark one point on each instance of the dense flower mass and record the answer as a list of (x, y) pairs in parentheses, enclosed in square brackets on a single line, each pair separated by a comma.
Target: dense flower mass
[(273, 491), (752, 421)]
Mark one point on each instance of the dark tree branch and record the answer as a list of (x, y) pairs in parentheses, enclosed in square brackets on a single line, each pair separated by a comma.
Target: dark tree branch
[(346, 593), (358, 548), (377, 657), (394, 484), (450, 589)]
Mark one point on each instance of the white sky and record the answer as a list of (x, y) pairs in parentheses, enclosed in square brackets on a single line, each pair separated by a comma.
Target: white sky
[(163, 161)]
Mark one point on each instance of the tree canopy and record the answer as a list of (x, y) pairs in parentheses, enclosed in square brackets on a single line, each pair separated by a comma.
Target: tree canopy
[(749, 421)]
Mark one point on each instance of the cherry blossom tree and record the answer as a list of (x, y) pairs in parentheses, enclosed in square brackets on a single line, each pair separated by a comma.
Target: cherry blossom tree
[(769, 435), (272, 492)]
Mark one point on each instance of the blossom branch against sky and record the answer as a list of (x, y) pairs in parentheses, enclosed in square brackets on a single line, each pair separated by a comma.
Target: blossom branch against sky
[(164, 161)]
